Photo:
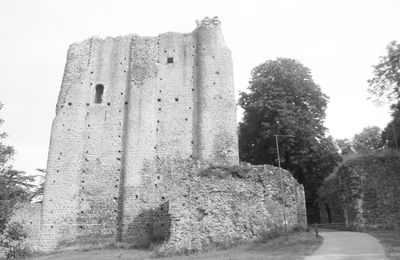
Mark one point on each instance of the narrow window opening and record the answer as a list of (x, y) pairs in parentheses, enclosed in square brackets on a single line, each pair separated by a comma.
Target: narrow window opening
[(99, 94), (170, 60)]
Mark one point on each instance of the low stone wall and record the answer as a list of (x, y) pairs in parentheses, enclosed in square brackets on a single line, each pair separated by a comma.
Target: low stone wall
[(368, 187), (219, 205)]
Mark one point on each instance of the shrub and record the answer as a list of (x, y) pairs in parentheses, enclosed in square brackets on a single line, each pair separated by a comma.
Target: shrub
[(13, 239), (267, 235)]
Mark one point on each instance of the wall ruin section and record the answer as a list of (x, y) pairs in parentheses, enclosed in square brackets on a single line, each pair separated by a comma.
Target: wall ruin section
[(367, 191)]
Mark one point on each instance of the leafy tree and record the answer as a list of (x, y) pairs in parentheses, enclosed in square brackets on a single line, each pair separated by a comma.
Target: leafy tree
[(368, 140), (345, 145), (385, 85), (14, 185), (283, 99), (391, 133)]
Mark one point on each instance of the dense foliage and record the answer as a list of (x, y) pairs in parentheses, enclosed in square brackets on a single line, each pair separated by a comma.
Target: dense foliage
[(391, 133), (369, 140), (345, 145), (385, 85), (12, 240), (283, 99), (14, 185)]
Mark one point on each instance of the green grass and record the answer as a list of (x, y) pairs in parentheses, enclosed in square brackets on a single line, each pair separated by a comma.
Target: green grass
[(390, 240), (293, 247)]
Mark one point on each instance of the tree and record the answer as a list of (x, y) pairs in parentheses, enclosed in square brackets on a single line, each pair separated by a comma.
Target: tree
[(345, 146), (385, 85), (283, 99), (14, 185), (391, 133), (368, 140)]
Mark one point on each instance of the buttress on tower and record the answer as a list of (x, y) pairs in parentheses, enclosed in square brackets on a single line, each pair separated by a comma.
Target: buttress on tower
[(125, 103)]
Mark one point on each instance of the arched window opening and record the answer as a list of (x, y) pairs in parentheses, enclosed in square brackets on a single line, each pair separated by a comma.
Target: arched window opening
[(99, 94)]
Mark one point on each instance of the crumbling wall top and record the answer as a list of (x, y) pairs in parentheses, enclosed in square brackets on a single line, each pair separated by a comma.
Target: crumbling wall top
[(208, 22)]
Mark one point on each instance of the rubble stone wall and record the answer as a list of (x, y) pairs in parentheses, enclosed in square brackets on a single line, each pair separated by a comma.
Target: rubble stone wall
[(198, 205), (368, 187)]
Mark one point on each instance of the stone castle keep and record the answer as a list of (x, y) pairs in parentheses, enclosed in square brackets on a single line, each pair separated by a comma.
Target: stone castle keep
[(144, 149)]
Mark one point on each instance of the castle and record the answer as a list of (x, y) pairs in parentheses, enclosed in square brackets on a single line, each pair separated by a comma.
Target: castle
[(124, 103), (144, 150)]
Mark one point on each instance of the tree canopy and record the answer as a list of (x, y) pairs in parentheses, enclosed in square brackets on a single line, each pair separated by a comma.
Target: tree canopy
[(369, 140), (283, 99), (14, 185), (345, 146), (385, 84), (391, 133)]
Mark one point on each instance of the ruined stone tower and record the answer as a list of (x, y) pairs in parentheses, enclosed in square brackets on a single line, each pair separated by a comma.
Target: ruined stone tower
[(125, 103)]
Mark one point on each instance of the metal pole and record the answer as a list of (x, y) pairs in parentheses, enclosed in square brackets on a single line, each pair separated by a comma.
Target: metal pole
[(280, 178)]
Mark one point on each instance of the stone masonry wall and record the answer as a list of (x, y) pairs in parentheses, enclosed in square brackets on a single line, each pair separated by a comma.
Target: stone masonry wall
[(368, 187), (191, 205), (214, 205), (124, 103)]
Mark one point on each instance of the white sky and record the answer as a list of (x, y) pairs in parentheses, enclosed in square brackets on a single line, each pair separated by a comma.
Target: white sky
[(338, 40)]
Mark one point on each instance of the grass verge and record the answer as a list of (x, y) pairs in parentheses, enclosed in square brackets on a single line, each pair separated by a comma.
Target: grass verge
[(390, 240), (295, 246)]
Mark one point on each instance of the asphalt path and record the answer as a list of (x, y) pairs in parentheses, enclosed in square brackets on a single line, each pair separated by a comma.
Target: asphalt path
[(343, 245)]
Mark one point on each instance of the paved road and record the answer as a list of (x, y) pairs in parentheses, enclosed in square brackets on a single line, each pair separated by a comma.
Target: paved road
[(348, 245)]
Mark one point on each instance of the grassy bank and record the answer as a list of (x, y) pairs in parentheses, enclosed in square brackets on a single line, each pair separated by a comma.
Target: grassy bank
[(293, 247), (390, 240)]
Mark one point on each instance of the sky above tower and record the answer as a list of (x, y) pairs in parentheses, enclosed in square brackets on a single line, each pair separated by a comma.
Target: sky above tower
[(338, 40)]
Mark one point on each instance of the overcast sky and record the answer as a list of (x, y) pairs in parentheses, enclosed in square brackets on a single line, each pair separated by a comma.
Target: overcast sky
[(338, 40)]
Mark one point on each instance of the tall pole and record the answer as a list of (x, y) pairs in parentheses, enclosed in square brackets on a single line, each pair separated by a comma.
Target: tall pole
[(281, 182)]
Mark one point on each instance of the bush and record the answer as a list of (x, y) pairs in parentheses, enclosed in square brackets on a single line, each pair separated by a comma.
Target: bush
[(267, 235), (13, 240)]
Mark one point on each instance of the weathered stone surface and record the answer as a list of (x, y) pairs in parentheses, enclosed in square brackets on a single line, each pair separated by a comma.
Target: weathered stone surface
[(216, 204), (368, 189)]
